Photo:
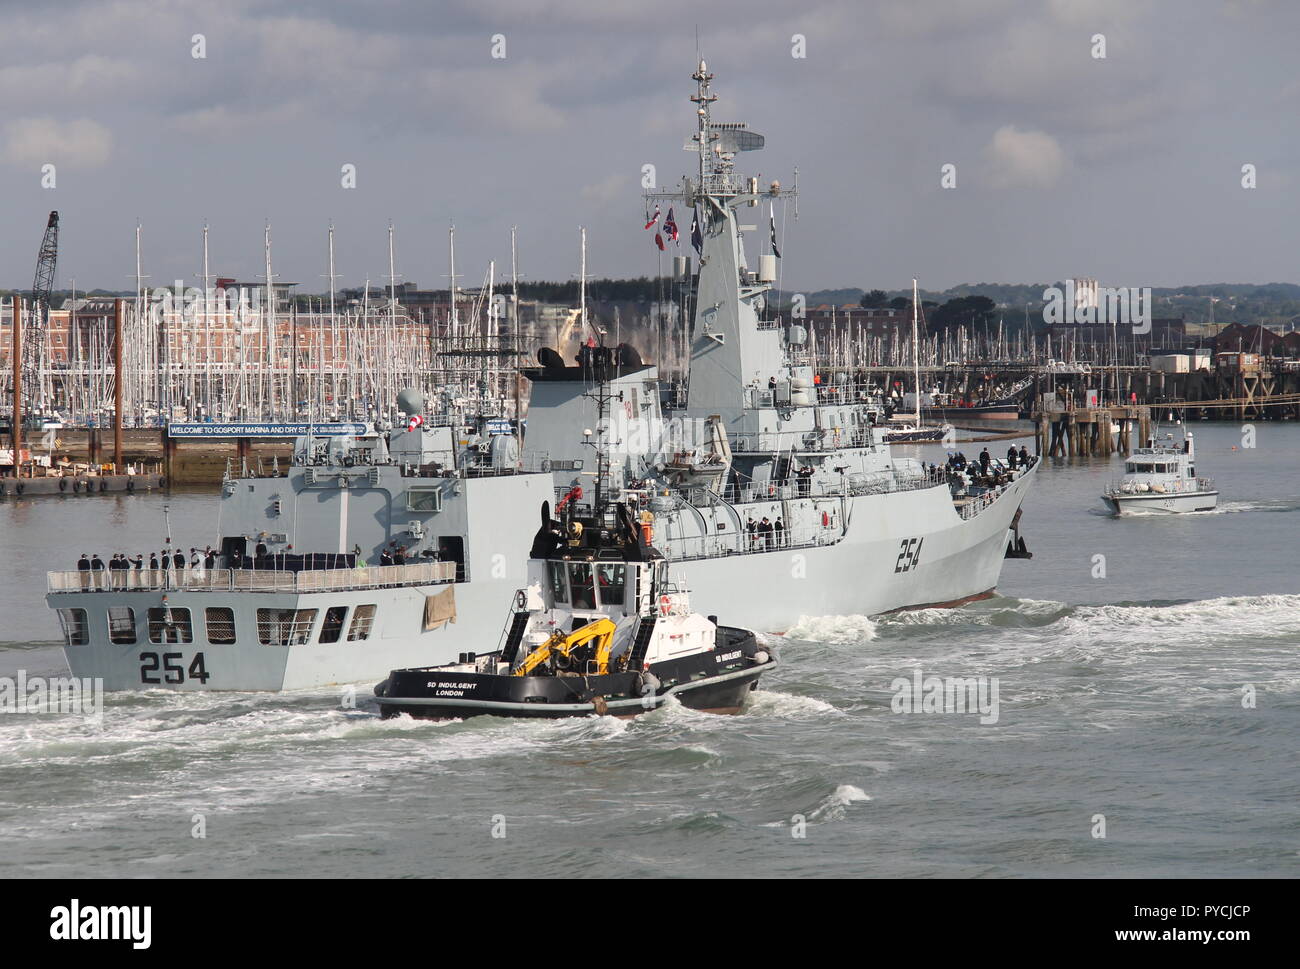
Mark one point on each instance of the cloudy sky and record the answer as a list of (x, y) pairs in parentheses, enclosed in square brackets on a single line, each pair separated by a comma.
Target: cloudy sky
[(1126, 168)]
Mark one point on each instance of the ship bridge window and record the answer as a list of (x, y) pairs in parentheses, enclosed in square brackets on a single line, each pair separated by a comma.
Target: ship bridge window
[(284, 627), (332, 626), (221, 625), (559, 591), (167, 625), (580, 584), (424, 499), (612, 579), (121, 625), (363, 621), (1130, 467), (75, 630)]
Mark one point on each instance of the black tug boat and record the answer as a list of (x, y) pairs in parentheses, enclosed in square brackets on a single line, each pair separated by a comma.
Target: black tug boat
[(600, 629)]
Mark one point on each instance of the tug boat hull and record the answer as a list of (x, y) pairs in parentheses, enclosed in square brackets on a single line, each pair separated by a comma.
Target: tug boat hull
[(716, 681)]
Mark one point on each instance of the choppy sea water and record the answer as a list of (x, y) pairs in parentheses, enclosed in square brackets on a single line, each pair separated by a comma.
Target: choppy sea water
[(1120, 695)]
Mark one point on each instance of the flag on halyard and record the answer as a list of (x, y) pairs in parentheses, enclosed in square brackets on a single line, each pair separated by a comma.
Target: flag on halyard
[(771, 218), (670, 225), (659, 240), (697, 240), (652, 221)]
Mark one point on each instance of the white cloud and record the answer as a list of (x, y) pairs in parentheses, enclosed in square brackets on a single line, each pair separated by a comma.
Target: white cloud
[(1024, 158), (33, 142)]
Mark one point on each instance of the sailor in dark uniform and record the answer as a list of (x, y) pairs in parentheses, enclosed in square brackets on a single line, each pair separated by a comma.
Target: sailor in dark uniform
[(83, 566), (385, 557)]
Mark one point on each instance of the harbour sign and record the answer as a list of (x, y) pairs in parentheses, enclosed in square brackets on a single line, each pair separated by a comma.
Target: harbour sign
[(263, 429)]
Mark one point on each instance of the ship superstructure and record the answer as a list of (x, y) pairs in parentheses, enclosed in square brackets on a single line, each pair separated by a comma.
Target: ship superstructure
[(768, 483), (367, 552)]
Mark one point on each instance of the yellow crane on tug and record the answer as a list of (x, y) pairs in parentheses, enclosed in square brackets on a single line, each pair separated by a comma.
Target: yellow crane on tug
[(600, 630)]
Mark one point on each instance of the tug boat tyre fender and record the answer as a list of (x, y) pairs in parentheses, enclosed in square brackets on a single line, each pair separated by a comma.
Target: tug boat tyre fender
[(103, 485), (63, 484), (521, 600), (76, 486), (19, 488), (162, 481), (130, 486)]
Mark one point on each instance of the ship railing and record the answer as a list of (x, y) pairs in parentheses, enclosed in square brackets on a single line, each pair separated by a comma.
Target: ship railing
[(971, 505), (686, 549), (251, 580), (858, 483), (1179, 486)]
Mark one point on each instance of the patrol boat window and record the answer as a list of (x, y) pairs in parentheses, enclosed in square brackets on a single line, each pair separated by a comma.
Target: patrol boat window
[(332, 626), (284, 627), (75, 632), (121, 625), (363, 620), (580, 584), (559, 591), (221, 625), (167, 625), (612, 579)]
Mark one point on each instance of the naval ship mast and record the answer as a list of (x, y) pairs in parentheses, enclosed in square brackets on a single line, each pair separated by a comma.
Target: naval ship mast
[(713, 194)]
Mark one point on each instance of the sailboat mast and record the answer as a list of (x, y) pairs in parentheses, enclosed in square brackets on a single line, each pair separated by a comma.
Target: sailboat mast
[(916, 358), (514, 326), (582, 284)]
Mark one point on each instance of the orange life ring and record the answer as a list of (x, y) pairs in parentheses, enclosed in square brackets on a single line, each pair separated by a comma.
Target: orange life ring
[(665, 605)]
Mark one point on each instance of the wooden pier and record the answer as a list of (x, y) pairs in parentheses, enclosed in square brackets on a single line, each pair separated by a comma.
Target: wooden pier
[(1091, 431)]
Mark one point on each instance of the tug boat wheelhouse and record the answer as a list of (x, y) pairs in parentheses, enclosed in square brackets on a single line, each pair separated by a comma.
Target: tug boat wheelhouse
[(600, 629), (1162, 478)]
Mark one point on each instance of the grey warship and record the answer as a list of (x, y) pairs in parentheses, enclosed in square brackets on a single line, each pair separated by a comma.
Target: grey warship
[(774, 494)]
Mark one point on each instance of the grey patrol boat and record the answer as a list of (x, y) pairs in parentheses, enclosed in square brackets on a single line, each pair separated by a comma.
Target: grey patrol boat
[(299, 598)]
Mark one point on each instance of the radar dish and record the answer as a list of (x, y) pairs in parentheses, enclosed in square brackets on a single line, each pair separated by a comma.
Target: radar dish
[(740, 140)]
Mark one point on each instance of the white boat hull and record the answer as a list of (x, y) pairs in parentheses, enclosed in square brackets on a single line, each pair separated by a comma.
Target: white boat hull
[(1155, 503)]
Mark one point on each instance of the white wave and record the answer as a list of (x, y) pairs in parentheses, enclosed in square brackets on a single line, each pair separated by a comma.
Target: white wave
[(1268, 616), (1235, 507), (765, 703), (834, 805), (838, 630)]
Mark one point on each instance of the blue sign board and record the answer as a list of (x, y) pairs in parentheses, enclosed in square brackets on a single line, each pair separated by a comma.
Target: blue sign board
[(262, 429), (499, 425)]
